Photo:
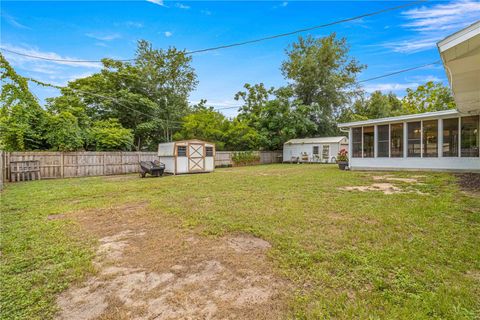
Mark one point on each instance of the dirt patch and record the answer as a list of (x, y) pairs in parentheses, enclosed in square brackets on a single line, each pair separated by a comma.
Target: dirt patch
[(56, 217), (469, 182), (247, 243), (386, 188), (389, 187), (148, 268), (413, 179)]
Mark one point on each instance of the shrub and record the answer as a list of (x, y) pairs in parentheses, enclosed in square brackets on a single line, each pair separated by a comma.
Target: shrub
[(245, 157)]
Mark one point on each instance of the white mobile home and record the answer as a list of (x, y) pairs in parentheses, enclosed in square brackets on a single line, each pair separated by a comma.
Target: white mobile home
[(188, 156), (443, 140), (324, 149)]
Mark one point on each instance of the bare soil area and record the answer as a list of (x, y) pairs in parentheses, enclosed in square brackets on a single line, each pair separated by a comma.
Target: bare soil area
[(385, 184), (149, 268), (469, 182)]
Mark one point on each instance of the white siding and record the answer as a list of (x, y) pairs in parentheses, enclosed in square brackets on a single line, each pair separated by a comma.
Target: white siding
[(166, 149), (296, 150), (441, 163), (169, 164)]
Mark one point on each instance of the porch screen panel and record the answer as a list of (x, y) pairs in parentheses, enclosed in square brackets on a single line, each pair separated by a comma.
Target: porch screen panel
[(414, 139), (450, 137), (430, 138), (383, 141), (368, 142), (356, 142), (469, 136), (396, 140)]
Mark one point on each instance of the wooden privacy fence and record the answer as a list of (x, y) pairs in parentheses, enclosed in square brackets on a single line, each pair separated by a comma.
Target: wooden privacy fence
[(54, 165), (2, 171), (224, 158)]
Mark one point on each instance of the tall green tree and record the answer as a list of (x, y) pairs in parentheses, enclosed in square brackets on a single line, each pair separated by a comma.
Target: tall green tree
[(204, 124), (22, 120), (64, 132), (254, 98), (148, 96), (323, 76), (428, 97), (109, 135), (377, 105)]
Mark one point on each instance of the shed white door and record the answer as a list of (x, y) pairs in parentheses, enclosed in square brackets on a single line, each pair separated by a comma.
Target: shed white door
[(196, 158)]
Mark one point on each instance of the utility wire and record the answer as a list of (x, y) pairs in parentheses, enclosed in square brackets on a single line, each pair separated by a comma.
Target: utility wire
[(401, 71), (99, 96), (377, 77), (242, 43)]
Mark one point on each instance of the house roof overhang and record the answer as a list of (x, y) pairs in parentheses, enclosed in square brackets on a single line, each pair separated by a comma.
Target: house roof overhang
[(405, 118), (460, 53)]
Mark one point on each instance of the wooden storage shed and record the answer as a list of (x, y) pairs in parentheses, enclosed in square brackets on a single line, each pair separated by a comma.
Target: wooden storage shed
[(187, 156)]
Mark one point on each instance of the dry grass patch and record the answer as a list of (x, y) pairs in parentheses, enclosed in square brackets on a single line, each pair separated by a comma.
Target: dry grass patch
[(149, 268)]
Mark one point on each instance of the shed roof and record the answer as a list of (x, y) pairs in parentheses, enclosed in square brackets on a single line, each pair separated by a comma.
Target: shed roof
[(316, 140)]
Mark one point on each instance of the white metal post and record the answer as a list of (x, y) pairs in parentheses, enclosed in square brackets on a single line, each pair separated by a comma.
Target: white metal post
[(440, 138), (459, 137), (421, 139)]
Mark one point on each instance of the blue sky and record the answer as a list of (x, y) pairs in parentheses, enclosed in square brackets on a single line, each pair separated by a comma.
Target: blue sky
[(92, 30)]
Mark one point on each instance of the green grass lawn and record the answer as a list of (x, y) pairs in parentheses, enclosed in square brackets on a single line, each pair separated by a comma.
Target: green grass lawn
[(348, 254)]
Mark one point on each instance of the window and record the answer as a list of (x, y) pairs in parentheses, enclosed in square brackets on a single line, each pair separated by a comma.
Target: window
[(209, 151), (450, 137), (181, 151), (414, 139), (383, 141), (469, 136), (430, 138), (357, 142), (396, 137), (315, 150), (368, 142)]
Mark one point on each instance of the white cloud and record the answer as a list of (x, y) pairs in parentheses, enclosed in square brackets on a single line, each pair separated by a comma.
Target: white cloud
[(413, 45), (389, 87), (206, 12), (451, 16), (159, 2), (430, 24), (133, 24), (168, 34), (182, 6), (218, 104), (424, 79), (44, 54), (13, 21), (104, 36)]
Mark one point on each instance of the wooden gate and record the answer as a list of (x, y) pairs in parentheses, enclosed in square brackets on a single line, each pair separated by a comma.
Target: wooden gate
[(196, 157)]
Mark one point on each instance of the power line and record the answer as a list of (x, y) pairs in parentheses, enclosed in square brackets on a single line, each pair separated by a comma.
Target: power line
[(236, 44), (401, 71), (98, 96), (376, 77)]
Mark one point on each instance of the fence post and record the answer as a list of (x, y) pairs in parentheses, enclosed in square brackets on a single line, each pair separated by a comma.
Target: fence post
[(104, 157), (62, 165)]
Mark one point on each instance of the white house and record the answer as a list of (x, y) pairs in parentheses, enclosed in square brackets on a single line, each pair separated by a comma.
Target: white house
[(444, 140), (188, 156), (323, 149)]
